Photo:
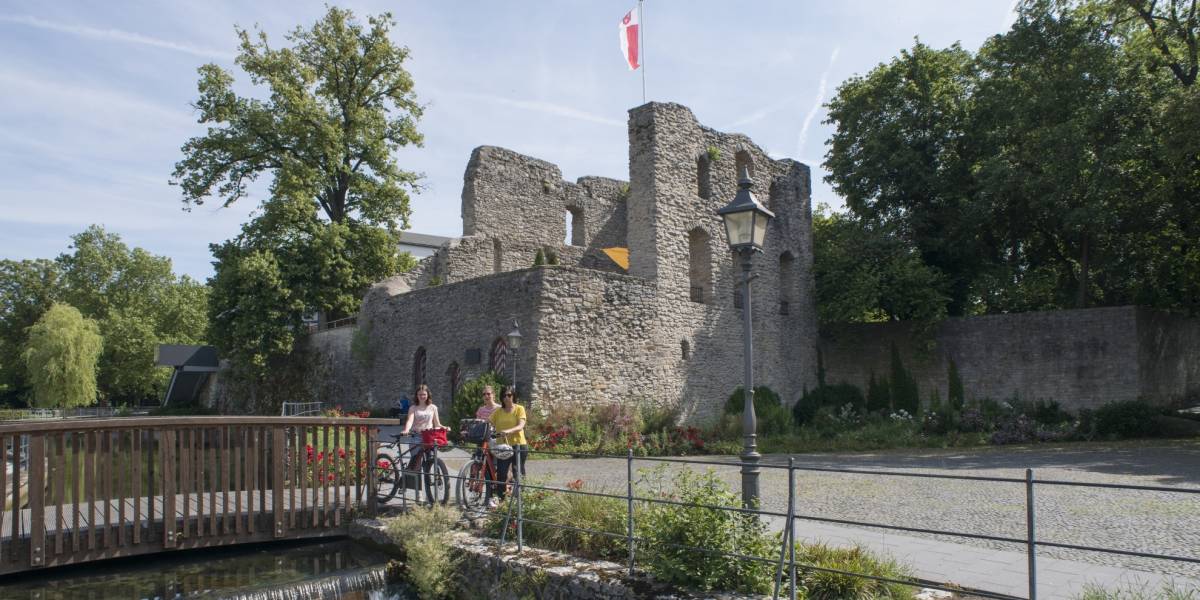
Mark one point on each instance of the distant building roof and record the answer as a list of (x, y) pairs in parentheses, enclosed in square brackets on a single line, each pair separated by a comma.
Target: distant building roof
[(412, 238)]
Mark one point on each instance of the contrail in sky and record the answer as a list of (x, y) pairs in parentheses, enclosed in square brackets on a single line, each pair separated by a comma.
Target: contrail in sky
[(816, 107), (115, 35)]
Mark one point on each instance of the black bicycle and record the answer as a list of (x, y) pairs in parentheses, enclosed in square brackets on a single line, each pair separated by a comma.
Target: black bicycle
[(418, 468)]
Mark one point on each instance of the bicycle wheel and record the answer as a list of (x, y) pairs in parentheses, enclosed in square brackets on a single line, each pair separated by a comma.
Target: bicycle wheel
[(387, 478), (472, 491), (437, 483)]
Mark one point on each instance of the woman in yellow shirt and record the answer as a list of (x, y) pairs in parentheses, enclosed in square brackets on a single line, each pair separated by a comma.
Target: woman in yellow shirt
[(509, 421)]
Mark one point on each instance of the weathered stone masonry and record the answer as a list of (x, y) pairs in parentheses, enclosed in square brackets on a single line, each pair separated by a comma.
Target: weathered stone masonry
[(1078, 358), (667, 332)]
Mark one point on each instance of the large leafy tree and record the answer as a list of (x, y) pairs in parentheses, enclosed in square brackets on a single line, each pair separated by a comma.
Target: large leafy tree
[(60, 357), (1058, 167), (864, 272), (900, 155), (27, 290), (339, 104)]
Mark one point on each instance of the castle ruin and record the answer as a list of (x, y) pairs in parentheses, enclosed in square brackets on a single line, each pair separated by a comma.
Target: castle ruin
[(664, 330)]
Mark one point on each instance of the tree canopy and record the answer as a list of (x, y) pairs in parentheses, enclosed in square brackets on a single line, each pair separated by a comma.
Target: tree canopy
[(132, 295), (60, 358), (1051, 169), (337, 105)]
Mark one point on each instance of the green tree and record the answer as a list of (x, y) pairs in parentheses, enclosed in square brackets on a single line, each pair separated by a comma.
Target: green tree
[(131, 294), (864, 272), (138, 303), (61, 356), (286, 263), (340, 104), (1065, 123), (900, 157), (1156, 33), (27, 290)]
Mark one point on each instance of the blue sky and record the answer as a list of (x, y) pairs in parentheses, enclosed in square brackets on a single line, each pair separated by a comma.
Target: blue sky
[(95, 97)]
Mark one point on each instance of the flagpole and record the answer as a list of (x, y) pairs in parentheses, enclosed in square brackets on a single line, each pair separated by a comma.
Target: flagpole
[(642, 48)]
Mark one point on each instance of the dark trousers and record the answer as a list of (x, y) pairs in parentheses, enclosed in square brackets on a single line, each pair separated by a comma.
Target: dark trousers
[(520, 453)]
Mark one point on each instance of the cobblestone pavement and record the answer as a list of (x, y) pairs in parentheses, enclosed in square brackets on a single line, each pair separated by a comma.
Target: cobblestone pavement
[(1146, 521)]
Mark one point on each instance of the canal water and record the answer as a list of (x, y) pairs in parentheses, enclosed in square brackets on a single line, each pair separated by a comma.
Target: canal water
[(339, 569)]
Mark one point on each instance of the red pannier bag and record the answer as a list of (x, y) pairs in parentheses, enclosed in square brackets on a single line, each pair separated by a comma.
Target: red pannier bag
[(432, 437)]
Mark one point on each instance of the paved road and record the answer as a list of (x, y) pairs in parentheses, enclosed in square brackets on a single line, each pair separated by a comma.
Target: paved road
[(1147, 521)]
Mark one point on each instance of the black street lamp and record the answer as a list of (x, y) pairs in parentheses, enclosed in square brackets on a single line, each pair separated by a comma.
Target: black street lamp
[(746, 226), (514, 341)]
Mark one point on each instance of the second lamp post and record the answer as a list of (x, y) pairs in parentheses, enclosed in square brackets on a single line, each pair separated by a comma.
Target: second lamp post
[(746, 226)]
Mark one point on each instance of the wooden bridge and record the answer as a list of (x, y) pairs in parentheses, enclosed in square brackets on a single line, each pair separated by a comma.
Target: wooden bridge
[(76, 491)]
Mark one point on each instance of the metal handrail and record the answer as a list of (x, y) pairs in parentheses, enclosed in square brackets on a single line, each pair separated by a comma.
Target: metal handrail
[(1029, 541)]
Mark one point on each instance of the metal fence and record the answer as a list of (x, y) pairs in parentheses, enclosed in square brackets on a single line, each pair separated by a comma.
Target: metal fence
[(786, 564)]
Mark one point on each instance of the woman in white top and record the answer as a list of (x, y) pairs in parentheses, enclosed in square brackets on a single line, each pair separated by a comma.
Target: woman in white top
[(424, 415)]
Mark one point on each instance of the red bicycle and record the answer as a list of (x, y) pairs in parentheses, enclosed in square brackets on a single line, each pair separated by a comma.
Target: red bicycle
[(479, 472)]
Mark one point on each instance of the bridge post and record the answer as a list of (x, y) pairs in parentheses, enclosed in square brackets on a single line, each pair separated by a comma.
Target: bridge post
[(277, 450), (166, 445), (37, 500)]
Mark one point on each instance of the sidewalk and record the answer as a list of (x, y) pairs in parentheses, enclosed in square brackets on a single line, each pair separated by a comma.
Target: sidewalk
[(985, 569)]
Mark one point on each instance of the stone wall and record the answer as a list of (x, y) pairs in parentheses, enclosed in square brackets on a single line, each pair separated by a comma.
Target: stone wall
[(673, 195), (594, 333), (1079, 358)]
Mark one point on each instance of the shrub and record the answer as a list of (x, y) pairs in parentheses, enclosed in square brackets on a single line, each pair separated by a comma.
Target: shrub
[(576, 510), (838, 395), (1139, 591), (1127, 419), (428, 562), (773, 417), (470, 397), (905, 395), (823, 585), (663, 527), (956, 396), (879, 395)]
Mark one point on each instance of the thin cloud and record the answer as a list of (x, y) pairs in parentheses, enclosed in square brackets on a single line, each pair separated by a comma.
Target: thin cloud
[(762, 113), (115, 35), (546, 108), (1010, 17), (816, 107)]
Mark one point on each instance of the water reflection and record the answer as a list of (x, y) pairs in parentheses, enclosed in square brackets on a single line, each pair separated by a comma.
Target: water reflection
[(323, 571)]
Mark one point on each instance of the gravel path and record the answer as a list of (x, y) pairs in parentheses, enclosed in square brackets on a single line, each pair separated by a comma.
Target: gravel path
[(1147, 521)]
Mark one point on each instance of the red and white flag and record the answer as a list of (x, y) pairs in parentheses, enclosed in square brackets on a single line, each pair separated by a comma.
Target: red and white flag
[(629, 39)]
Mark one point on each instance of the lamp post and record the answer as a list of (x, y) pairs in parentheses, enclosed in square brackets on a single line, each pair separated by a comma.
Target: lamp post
[(514, 341), (746, 226)]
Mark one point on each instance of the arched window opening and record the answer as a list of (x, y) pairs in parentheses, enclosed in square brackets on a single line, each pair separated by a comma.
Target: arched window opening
[(699, 266), (454, 381), (685, 348), (742, 161), (418, 373), (499, 355), (787, 281), (704, 176), (574, 222), (775, 197), (497, 256)]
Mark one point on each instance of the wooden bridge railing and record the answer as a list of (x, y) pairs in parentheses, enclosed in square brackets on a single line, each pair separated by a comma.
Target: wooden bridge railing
[(105, 488)]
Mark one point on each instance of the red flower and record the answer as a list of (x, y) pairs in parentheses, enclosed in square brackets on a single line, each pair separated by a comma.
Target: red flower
[(331, 477), (341, 453)]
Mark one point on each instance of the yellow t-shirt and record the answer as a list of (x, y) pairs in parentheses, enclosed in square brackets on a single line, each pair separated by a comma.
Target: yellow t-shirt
[(502, 419)]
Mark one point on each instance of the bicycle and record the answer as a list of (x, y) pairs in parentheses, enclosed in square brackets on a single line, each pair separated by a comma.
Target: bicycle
[(480, 472), (392, 472)]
